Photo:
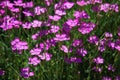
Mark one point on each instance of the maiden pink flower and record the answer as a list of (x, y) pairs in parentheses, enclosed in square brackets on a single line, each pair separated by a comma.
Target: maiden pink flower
[(54, 29), (45, 56), (28, 4), (99, 60), (36, 23), (25, 72), (83, 52), (55, 17), (34, 61), (27, 13), (64, 48), (72, 60), (61, 37), (19, 3), (68, 5), (93, 39), (48, 2), (35, 51), (105, 7), (108, 35), (2, 72), (77, 43), (26, 25), (18, 45), (81, 3), (106, 78), (86, 28), (82, 14), (72, 23), (60, 12)]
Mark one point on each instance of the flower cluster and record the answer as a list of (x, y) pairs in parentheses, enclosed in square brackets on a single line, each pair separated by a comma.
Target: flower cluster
[(25, 72), (18, 45), (53, 32)]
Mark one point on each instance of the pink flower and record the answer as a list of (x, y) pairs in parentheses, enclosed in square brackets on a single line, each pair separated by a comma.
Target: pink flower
[(28, 4), (82, 14), (99, 60), (72, 23), (45, 56), (54, 29), (64, 48), (105, 7), (60, 12), (68, 5), (83, 52), (55, 17), (34, 61), (108, 35), (86, 28), (27, 13), (77, 43), (61, 37), (26, 25), (48, 2), (35, 51), (18, 45), (19, 3), (15, 10), (2, 72), (36, 23), (81, 3), (25, 72)]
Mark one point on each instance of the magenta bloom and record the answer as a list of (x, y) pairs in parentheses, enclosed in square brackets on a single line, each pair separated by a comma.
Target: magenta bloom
[(19, 3), (105, 7), (25, 72), (35, 51), (2, 72), (97, 69), (77, 43), (108, 35), (115, 7), (117, 44), (93, 39), (39, 10), (61, 37), (36, 23), (18, 45), (82, 14), (34, 61), (60, 12), (82, 3), (110, 68), (54, 29), (28, 4), (72, 23), (117, 78), (27, 13), (48, 2), (86, 28), (9, 23), (72, 60), (26, 25), (64, 48), (45, 56), (99, 60), (111, 44), (55, 17), (106, 78), (83, 52), (68, 5)]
